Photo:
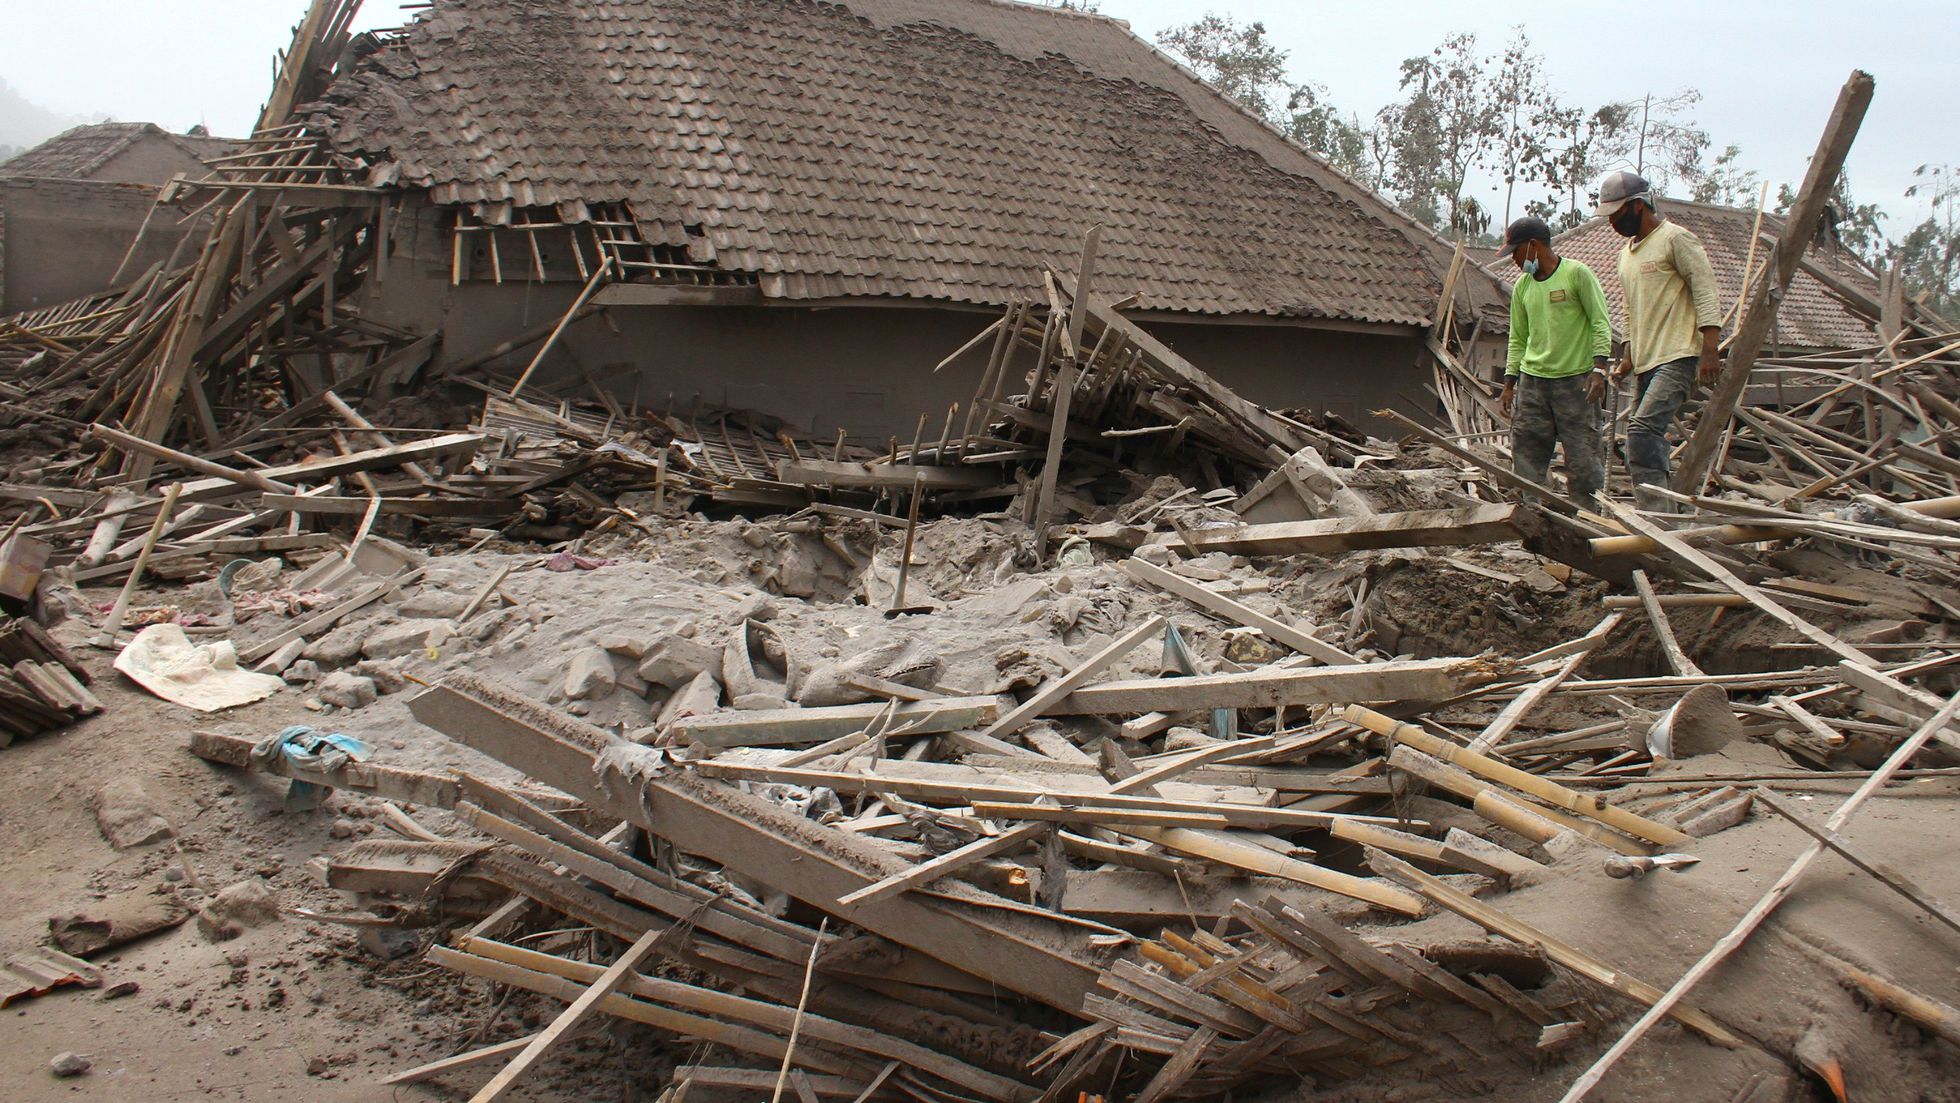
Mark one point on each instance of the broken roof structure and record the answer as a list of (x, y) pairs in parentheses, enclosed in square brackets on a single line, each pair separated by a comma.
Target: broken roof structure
[(912, 149), (1813, 316)]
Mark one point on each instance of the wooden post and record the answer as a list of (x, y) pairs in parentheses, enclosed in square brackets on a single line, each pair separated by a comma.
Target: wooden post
[(1825, 166), (121, 609), (1065, 385), (591, 286)]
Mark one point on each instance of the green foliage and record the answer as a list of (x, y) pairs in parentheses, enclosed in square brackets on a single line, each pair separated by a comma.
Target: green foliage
[(1241, 62), (1928, 256), (1463, 115)]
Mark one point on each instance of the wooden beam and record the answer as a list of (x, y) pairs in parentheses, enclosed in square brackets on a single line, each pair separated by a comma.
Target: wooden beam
[(849, 473), (1486, 524), (780, 727), (1273, 686), (1508, 719), (1826, 164)]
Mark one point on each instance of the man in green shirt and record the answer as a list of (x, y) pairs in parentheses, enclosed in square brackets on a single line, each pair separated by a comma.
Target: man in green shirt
[(1556, 370)]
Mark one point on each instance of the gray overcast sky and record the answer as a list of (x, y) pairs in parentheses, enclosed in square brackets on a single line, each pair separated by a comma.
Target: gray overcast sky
[(1769, 71)]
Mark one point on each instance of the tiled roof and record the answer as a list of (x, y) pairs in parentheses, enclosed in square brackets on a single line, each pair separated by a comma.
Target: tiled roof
[(934, 149), (79, 153), (1808, 316)]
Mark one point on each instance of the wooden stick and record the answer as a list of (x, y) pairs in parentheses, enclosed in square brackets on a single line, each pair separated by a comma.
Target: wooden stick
[(1301, 640), (1054, 692), (460, 1061), (1763, 907), (927, 872), (571, 1017), (1513, 714), (1892, 878), (116, 614), (802, 1003), (591, 285), (1677, 659)]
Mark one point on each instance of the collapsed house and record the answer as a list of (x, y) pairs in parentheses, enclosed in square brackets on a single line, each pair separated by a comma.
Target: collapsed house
[(78, 212), (995, 759), (801, 203)]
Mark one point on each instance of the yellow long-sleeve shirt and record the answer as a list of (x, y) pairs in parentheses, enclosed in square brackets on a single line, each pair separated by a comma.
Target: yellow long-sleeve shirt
[(1670, 295)]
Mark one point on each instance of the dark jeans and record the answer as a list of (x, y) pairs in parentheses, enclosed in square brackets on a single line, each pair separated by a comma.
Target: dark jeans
[(1550, 412), (1659, 394)]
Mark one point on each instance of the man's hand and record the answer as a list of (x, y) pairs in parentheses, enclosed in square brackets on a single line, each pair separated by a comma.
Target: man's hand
[(1623, 369), (1709, 367), (1504, 400), (1596, 387)]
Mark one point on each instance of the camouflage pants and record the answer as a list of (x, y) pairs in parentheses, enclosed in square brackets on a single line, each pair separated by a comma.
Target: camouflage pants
[(1658, 397), (1550, 412)]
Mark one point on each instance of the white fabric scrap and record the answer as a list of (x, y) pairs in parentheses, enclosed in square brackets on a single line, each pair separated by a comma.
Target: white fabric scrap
[(205, 677)]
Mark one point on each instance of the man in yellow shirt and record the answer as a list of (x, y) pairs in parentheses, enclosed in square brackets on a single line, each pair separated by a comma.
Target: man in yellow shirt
[(1674, 317)]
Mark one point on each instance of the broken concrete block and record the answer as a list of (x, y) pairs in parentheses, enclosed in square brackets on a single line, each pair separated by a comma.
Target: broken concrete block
[(700, 696), (589, 676), (278, 661), (1187, 739), (627, 674), (348, 691), (338, 647), (128, 815), (677, 660), (626, 647), (408, 637), (753, 607), (386, 674), (245, 904), (302, 672), (112, 922), (437, 604)]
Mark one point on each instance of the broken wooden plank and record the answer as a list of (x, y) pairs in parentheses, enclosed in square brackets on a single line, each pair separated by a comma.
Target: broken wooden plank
[(1273, 686), (902, 476), (569, 1019), (780, 727), (927, 872), (1486, 524)]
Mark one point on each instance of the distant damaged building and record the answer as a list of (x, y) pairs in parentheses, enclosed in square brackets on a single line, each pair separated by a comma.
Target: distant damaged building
[(72, 208), (807, 205)]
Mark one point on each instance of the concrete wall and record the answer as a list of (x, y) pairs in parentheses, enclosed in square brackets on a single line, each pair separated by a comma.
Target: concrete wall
[(867, 369), (152, 160), (62, 239)]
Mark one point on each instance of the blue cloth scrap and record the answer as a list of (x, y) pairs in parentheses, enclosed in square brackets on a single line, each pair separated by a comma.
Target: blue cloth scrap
[(309, 749)]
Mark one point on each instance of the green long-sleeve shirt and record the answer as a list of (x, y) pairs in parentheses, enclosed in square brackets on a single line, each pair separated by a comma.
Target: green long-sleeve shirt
[(1558, 324)]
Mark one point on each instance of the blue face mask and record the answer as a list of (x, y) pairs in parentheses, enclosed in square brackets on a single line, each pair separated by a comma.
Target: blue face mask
[(1530, 267)]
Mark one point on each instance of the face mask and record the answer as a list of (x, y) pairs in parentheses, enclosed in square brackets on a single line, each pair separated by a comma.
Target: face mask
[(1530, 267), (1627, 222)]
